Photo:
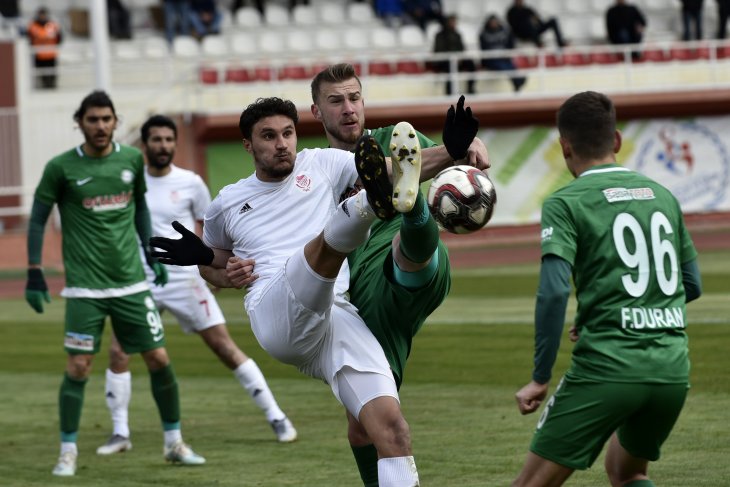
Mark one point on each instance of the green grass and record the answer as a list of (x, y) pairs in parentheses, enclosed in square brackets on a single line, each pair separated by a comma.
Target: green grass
[(466, 365)]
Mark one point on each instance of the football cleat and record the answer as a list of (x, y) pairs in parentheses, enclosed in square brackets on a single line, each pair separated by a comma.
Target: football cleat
[(405, 156), (373, 172), (181, 453), (115, 444), (66, 466), (285, 432)]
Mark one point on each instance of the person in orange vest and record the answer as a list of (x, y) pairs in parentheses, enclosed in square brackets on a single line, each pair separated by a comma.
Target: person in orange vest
[(44, 35)]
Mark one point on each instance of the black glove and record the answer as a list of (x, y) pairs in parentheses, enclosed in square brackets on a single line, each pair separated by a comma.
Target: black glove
[(188, 250), (459, 130), (36, 290)]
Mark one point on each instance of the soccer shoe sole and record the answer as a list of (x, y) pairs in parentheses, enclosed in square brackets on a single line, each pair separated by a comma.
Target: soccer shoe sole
[(118, 447), (373, 172), (405, 156)]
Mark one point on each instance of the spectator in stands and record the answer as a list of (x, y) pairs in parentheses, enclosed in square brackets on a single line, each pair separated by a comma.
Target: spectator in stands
[(10, 20), (448, 39), (390, 11), (120, 25), (45, 35), (528, 26), (294, 3), (177, 18), (205, 18), (495, 35), (691, 14), (625, 24), (423, 11), (723, 13)]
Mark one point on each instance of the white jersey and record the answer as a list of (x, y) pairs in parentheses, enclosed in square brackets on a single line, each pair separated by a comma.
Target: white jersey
[(268, 221), (179, 195)]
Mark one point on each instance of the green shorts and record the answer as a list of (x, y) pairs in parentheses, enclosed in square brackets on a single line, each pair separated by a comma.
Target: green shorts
[(135, 321), (581, 416)]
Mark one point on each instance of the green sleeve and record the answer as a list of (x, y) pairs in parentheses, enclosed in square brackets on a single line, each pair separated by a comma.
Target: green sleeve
[(36, 227), (552, 301), (143, 224), (691, 280)]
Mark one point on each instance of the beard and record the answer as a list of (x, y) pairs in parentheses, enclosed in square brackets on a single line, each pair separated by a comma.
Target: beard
[(158, 162), (349, 139)]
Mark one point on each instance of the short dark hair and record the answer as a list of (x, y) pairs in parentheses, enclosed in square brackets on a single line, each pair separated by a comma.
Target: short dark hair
[(587, 121), (335, 73), (262, 108), (95, 99), (157, 121)]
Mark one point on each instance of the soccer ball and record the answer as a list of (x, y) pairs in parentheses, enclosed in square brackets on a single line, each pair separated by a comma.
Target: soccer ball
[(461, 199)]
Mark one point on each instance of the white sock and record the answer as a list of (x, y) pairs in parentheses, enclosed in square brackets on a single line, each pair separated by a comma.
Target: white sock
[(172, 436), (350, 225), (251, 378), (397, 472), (67, 446), (118, 393)]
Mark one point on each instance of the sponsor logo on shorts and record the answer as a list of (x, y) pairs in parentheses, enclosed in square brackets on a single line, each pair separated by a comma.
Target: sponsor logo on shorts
[(79, 341)]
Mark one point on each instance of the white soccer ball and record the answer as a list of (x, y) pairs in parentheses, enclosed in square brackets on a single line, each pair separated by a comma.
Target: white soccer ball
[(461, 199)]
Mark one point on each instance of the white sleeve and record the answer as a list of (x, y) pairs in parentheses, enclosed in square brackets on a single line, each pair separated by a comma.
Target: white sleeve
[(201, 198), (215, 233), (340, 166)]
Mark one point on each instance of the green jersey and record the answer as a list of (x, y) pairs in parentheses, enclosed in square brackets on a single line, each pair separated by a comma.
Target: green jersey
[(393, 313), (625, 237), (96, 200)]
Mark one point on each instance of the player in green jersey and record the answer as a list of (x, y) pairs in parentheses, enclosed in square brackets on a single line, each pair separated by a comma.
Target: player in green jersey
[(401, 274), (634, 267), (99, 188)]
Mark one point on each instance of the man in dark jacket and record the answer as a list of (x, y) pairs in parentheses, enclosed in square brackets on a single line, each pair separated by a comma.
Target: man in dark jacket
[(527, 25), (448, 39)]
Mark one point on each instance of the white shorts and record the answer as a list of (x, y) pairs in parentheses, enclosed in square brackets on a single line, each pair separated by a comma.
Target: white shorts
[(190, 301), (318, 344)]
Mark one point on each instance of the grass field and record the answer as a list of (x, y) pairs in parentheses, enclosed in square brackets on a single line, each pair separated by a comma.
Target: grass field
[(474, 353)]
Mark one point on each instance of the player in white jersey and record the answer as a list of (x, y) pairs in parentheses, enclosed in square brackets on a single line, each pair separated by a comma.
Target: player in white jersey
[(178, 194), (286, 221)]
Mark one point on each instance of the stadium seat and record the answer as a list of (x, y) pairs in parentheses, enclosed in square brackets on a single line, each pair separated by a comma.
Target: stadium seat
[(525, 62), (412, 38), (214, 45), (304, 15), (185, 47), (248, 18), (357, 39), (298, 40), (276, 15), (208, 75), (238, 74), (271, 42), (262, 73), (295, 72), (155, 48), (573, 58), (127, 50), (554, 60), (602, 57), (380, 68), (360, 13), (332, 13), (383, 39), (327, 39), (243, 43), (410, 67), (469, 34), (654, 55), (470, 9)]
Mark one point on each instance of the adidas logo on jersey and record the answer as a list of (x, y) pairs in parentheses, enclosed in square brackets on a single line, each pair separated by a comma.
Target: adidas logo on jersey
[(246, 207)]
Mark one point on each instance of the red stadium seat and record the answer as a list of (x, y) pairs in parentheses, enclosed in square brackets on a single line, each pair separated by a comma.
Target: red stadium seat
[(576, 59), (208, 76), (262, 73), (410, 67), (380, 68), (294, 72), (605, 57), (554, 60), (655, 56), (524, 62), (236, 74)]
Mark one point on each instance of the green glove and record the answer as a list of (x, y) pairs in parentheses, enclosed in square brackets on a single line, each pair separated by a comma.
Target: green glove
[(36, 290), (160, 273)]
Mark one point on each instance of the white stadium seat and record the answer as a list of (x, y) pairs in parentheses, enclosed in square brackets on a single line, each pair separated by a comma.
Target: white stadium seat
[(248, 17), (332, 13), (185, 46), (243, 43), (304, 15), (276, 15), (214, 45)]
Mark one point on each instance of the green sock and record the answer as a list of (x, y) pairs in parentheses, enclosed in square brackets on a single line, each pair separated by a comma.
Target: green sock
[(419, 233), (70, 402), (366, 458), (640, 483), (164, 390)]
